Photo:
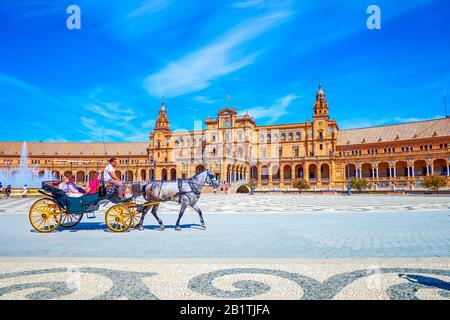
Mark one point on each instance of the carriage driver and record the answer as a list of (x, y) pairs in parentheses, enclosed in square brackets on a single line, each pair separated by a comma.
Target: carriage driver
[(109, 175)]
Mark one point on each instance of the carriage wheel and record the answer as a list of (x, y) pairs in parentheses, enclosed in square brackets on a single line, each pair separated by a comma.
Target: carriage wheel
[(137, 217), (118, 218), (45, 215), (69, 220)]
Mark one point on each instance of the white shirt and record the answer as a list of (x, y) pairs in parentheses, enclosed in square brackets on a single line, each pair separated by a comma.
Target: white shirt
[(107, 173)]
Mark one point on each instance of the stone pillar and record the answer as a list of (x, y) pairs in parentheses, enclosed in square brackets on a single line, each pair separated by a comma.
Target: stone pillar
[(432, 169), (395, 172), (376, 171), (270, 174), (428, 170), (259, 176), (448, 170)]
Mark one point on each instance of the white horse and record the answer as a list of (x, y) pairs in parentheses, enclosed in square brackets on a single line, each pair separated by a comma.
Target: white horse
[(184, 191)]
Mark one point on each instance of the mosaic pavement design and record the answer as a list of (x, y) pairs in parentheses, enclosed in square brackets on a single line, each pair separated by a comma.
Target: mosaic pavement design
[(398, 280)]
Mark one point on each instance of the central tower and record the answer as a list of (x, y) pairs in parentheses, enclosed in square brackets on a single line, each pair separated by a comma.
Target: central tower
[(321, 105)]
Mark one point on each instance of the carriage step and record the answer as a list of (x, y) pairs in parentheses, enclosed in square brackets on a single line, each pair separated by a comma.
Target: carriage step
[(92, 216)]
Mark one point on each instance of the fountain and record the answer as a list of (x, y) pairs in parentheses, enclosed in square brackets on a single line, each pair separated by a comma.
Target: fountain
[(24, 175)]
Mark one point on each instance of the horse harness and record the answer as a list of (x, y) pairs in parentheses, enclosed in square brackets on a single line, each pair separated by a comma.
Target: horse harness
[(180, 192)]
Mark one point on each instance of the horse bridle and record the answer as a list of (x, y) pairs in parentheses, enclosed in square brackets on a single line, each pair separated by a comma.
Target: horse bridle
[(208, 175)]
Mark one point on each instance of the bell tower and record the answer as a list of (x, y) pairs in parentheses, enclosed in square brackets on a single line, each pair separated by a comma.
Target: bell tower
[(160, 148), (321, 105), (162, 122)]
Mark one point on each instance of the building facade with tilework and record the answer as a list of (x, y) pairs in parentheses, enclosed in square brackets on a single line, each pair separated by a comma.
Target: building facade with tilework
[(270, 157)]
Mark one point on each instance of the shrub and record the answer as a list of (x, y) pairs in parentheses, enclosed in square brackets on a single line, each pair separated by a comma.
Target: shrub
[(359, 184), (301, 184), (433, 183)]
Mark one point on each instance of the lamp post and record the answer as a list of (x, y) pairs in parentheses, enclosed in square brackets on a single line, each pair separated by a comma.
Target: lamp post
[(252, 185), (153, 167), (126, 172), (349, 192)]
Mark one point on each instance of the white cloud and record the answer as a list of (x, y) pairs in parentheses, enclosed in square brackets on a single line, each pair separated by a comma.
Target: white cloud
[(150, 7), (28, 88), (148, 124), (56, 139), (197, 70), (273, 112), (248, 4), (204, 100), (112, 111), (97, 132)]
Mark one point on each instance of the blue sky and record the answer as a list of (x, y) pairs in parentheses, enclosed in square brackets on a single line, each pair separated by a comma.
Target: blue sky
[(106, 80)]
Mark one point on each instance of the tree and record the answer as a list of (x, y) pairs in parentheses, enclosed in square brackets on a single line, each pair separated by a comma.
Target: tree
[(433, 183), (301, 184), (359, 184)]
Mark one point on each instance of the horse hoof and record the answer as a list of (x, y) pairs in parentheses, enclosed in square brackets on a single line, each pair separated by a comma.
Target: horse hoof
[(203, 226), (177, 229), (161, 228), (140, 228)]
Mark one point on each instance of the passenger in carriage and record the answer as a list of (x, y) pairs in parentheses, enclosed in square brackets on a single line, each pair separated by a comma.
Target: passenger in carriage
[(93, 186), (69, 188)]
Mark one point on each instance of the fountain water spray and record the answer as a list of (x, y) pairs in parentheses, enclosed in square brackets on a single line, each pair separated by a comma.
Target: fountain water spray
[(17, 177)]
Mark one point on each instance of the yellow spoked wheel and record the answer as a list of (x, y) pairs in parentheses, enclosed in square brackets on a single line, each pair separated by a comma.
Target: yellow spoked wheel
[(69, 220), (137, 217), (118, 218), (45, 215)]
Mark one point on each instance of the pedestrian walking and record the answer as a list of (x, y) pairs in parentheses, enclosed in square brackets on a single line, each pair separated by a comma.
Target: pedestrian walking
[(8, 191), (25, 191)]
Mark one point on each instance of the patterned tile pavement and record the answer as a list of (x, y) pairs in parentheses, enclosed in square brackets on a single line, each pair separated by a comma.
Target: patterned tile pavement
[(213, 279)]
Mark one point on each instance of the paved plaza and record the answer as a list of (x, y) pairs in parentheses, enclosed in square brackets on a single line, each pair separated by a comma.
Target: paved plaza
[(254, 247)]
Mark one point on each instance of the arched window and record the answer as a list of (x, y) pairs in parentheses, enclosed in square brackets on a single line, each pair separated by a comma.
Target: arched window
[(283, 137), (261, 138), (291, 136), (298, 136)]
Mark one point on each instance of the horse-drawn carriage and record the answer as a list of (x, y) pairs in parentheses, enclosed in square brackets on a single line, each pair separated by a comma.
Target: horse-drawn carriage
[(58, 209)]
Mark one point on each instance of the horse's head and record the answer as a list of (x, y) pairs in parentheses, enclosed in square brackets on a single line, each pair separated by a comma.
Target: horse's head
[(211, 179)]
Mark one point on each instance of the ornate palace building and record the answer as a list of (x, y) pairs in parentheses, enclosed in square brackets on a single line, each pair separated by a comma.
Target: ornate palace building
[(240, 152)]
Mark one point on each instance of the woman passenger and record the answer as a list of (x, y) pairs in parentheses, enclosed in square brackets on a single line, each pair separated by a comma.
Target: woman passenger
[(93, 186), (69, 187)]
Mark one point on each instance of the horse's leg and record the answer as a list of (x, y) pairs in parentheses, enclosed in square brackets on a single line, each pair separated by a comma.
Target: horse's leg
[(140, 226), (154, 210), (183, 208), (196, 208)]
